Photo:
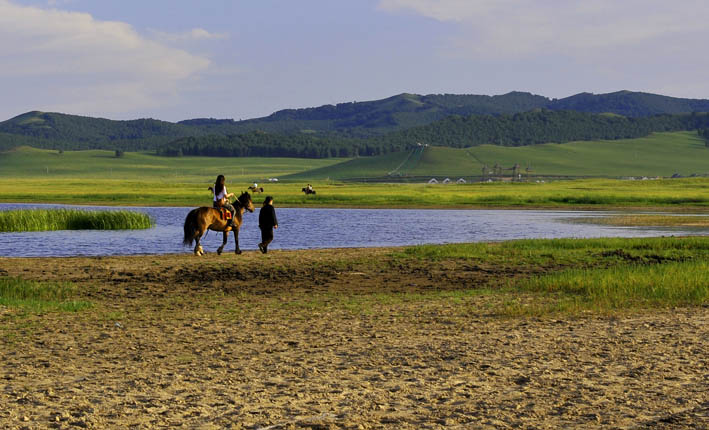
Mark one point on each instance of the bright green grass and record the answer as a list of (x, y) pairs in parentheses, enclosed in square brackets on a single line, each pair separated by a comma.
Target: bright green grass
[(585, 253), (98, 177), (72, 219), (670, 284), (39, 164), (676, 194), (660, 154), (589, 275), (40, 297), (359, 168)]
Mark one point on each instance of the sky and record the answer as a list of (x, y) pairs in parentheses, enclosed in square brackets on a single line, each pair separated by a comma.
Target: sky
[(181, 59)]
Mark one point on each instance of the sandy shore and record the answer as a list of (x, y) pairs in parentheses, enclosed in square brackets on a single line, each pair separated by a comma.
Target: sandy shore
[(252, 342)]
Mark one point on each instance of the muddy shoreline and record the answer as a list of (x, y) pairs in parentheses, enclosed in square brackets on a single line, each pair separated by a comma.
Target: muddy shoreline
[(284, 341)]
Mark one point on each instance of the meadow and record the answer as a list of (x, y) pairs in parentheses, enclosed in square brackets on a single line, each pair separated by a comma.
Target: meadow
[(669, 194), (99, 177), (660, 154)]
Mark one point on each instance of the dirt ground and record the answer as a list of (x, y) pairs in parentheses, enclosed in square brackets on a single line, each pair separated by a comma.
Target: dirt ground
[(334, 339)]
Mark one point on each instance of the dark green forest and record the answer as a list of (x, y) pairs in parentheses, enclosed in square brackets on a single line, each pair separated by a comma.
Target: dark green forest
[(72, 132), (521, 129), (705, 134)]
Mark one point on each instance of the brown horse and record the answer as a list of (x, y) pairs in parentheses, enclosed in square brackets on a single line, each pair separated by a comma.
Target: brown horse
[(200, 220)]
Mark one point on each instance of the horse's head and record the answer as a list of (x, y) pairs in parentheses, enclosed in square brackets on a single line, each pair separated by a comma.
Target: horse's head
[(245, 201)]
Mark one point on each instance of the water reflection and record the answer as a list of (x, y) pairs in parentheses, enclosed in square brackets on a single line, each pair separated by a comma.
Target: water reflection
[(324, 228)]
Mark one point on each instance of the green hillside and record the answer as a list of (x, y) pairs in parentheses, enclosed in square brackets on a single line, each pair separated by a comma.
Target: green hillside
[(660, 154), (85, 166)]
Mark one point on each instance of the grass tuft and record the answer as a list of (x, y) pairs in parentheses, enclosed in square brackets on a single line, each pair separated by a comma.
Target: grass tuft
[(40, 297)]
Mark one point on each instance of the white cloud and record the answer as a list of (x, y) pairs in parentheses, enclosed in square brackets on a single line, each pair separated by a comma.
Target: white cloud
[(77, 64), (501, 28), (194, 34), (558, 47)]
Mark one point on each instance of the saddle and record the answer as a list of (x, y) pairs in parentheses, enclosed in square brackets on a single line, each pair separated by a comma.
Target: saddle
[(224, 214)]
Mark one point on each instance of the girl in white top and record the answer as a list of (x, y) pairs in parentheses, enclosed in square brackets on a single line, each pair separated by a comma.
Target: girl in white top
[(221, 195)]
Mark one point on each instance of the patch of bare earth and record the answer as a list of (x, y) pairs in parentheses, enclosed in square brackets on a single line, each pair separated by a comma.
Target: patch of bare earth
[(269, 342)]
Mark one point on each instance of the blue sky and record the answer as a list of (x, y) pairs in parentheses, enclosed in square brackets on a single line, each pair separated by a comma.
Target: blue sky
[(177, 59)]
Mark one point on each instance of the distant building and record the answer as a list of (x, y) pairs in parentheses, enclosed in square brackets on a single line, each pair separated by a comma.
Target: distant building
[(433, 181)]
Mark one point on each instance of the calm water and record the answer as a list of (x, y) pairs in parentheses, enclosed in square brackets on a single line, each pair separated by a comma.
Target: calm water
[(322, 228)]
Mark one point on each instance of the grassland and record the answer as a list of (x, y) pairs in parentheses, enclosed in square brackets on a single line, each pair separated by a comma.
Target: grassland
[(98, 177), (671, 194), (87, 166), (72, 219), (661, 154)]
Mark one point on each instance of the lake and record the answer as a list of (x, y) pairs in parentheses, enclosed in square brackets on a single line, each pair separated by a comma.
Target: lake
[(323, 228)]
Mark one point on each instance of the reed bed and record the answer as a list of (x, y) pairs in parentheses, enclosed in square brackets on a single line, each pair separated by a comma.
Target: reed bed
[(670, 284), (72, 219)]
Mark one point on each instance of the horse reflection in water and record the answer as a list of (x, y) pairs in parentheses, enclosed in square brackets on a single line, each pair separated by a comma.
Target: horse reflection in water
[(200, 220)]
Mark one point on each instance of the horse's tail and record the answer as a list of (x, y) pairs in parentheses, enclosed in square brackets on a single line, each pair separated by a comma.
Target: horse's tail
[(190, 227)]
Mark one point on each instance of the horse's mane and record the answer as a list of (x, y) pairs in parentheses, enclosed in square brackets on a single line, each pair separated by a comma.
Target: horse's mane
[(244, 196)]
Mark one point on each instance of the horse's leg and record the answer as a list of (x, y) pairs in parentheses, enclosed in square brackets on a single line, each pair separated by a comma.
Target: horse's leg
[(236, 239), (221, 248), (198, 247), (201, 229)]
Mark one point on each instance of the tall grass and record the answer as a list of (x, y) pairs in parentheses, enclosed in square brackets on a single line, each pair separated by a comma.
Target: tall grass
[(72, 219), (40, 296), (572, 276), (659, 285)]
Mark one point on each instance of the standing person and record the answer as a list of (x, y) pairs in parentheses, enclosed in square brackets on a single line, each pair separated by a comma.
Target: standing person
[(221, 196), (267, 222)]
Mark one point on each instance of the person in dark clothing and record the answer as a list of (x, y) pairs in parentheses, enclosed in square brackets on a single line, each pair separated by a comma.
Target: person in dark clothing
[(267, 221)]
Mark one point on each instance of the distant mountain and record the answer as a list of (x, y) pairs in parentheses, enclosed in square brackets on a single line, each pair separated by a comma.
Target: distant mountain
[(355, 120), (403, 111), (365, 119), (630, 104), (57, 130)]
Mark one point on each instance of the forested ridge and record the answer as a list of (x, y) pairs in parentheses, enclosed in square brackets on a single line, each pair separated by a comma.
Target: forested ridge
[(529, 128), (372, 127), (73, 132)]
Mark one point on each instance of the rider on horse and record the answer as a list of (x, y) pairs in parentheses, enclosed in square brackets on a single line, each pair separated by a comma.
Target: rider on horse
[(221, 196)]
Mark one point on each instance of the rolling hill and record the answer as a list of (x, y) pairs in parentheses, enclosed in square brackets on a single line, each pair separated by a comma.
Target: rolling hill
[(660, 154), (352, 121)]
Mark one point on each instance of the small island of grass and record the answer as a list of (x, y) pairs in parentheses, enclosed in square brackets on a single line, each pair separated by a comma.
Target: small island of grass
[(72, 219)]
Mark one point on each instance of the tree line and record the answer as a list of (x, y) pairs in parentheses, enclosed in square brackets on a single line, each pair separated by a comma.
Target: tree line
[(529, 128), (705, 134)]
